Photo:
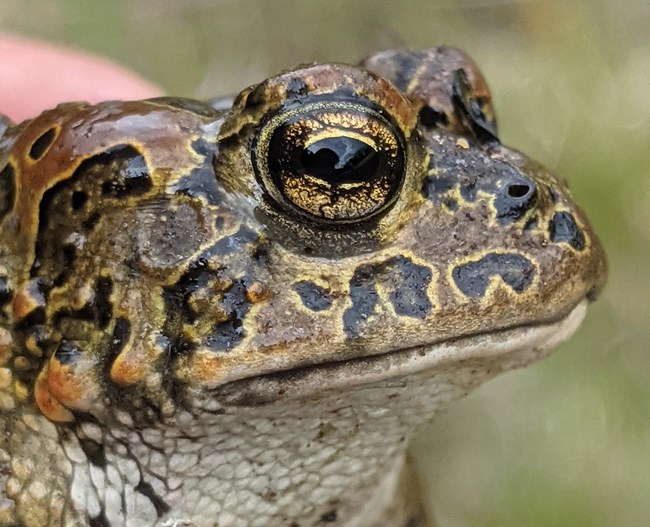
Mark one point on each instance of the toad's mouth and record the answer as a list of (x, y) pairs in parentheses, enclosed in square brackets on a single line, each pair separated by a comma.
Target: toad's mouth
[(496, 351)]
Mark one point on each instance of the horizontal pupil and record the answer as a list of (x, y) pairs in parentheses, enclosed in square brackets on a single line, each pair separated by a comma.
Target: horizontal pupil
[(340, 160)]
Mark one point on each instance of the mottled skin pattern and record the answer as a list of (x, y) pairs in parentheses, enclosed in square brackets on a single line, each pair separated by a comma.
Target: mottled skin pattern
[(234, 317)]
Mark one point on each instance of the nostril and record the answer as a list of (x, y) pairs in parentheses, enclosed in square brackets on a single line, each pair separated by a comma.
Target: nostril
[(514, 197), (519, 190)]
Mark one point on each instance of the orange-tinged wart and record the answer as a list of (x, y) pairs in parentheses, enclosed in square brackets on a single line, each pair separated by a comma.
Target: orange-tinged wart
[(67, 382), (134, 363), (28, 299)]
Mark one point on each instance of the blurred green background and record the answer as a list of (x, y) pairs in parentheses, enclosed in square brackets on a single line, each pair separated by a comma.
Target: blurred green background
[(565, 442)]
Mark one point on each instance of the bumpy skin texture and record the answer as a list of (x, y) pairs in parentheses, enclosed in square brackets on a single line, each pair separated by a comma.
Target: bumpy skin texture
[(227, 316)]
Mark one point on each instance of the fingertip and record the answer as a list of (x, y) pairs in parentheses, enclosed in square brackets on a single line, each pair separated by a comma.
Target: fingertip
[(37, 75)]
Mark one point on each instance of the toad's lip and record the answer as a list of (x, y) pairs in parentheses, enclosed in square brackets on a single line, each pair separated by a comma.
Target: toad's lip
[(504, 349)]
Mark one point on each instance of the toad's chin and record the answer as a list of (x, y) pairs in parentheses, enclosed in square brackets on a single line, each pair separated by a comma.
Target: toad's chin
[(478, 356)]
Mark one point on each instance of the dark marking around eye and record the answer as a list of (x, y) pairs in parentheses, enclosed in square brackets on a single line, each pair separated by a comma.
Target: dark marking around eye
[(313, 296), (563, 228), (67, 353), (5, 291), (406, 283), (7, 190), (40, 146), (473, 278), (94, 452)]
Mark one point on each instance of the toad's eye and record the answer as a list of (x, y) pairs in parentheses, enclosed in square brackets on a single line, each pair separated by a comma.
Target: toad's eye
[(335, 161)]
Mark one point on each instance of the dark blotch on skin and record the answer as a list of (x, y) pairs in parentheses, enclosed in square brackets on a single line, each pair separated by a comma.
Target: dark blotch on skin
[(7, 190), (100, 521), (203, 148), (38, 289), (40, 146), (67, 353), (451, 204), (121, 334), (414, 522), (364, 299), (126, 169), (102, 307), (313, 296), (94, 452), (468, 188), (5, 291), (479, 178), (408, 283), (431, 118), (176, 297), (436, 185), (329, 517), (89, 223), (202, 180), (232, 302), (228, 334), (159, 504), (563, 228), (472, 278), (469, 107), (231, 244), (406, 65), (405, 281), (68, 254), (78, 200)]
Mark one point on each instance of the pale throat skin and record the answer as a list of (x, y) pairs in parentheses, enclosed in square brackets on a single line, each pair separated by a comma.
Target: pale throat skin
[(239, 314)]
